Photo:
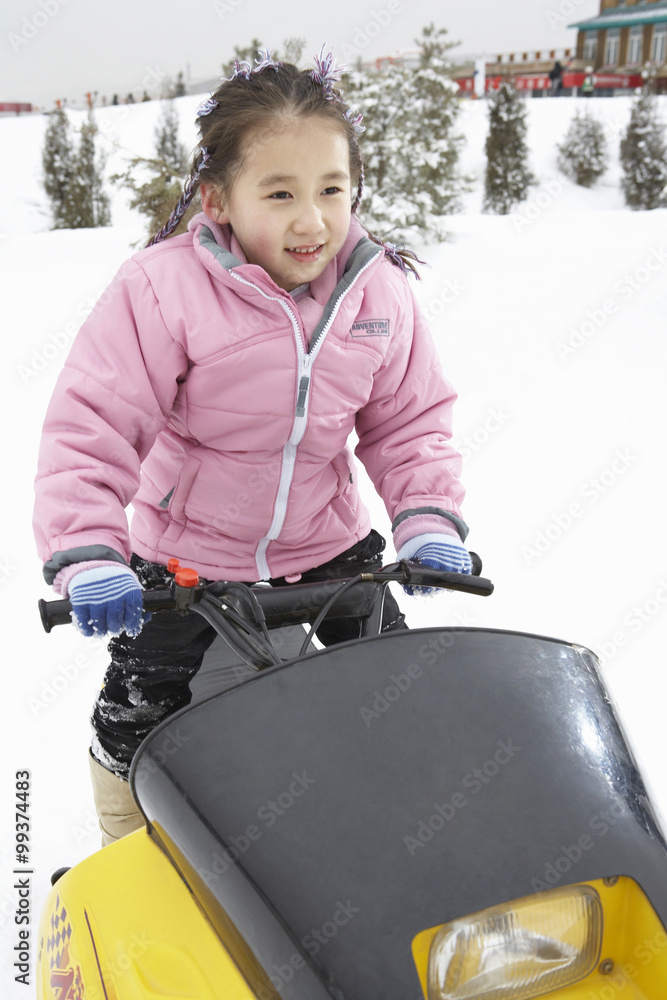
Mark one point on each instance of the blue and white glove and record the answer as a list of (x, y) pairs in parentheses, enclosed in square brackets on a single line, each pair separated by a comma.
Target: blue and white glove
[(107, 600), (440, 551)]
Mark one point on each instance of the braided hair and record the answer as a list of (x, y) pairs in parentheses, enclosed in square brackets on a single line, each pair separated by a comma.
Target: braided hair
[(254, 100)]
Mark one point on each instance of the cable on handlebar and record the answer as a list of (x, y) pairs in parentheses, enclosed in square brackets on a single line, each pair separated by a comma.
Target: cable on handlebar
[(241, 637), (325, 610), (245, 596)]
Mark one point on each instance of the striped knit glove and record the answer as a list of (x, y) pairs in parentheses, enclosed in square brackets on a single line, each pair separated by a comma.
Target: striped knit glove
[(107, 601), (441, 551)]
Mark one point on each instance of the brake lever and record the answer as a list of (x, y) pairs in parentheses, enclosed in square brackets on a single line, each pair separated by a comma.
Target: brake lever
[(416, 574)]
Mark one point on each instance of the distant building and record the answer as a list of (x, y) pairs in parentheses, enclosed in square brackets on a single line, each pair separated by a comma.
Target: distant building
[(626, 38), (614, 52), (528, 70)]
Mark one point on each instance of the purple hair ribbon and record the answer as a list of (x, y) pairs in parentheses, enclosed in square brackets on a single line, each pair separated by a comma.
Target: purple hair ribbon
[(265, 61), (183, 201), (206, 107), (355, 121), (242, 70), (326, 73)]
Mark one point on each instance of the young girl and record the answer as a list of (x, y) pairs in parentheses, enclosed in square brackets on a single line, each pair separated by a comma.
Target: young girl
[(215, 386)]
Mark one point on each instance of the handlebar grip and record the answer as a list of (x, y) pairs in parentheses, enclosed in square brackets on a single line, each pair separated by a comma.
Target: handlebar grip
[(419, 575), (55, 613)]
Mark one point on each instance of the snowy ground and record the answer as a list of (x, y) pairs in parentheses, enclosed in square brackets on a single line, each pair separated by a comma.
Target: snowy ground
[(551, 324)]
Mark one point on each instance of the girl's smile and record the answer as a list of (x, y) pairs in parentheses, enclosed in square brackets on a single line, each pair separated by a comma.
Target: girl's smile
[(290, 205)]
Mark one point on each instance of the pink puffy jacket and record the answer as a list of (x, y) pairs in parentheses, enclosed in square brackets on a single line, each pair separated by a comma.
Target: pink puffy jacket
[(192, 393)]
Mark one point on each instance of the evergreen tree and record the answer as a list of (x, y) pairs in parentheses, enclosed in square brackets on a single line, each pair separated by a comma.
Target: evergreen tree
[(292, 50), (432, 156), (583, 154), (644, 156), (58, 165), (73, 175), (507, 175), (167, 144), (409, 145), (89, 204), (179, 89), (163, 175), (379, 98)]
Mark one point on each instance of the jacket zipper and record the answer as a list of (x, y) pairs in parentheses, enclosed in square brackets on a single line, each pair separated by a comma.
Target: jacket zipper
[(306, 361)]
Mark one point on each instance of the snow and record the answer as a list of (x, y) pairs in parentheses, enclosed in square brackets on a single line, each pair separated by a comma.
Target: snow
[(549, 321)]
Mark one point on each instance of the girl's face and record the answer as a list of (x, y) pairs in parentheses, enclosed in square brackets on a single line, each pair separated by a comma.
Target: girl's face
[(289, 207)]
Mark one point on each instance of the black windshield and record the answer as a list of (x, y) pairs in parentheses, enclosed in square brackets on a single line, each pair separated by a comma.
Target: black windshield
[(330, 809)]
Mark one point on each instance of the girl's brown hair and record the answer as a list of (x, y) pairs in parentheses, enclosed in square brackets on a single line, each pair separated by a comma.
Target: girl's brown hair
[(256, 101)]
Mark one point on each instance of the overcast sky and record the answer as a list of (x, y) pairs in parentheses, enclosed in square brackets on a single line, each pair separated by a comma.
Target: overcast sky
[(63, 48)]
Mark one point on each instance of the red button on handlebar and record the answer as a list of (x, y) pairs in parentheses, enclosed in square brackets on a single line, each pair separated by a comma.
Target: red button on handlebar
[(187, 577), (173, 566)]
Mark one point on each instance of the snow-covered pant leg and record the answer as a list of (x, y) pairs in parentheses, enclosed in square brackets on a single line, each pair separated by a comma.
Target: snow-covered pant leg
[(148, 678), (117, 811)]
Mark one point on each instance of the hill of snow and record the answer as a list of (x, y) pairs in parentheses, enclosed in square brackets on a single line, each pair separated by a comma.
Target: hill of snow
[(551, 324)]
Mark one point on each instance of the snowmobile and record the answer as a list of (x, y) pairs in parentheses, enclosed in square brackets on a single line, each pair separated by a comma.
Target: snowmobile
[(449, 813)]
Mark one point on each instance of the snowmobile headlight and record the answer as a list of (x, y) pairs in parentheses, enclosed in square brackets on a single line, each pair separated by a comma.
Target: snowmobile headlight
[(523, 949)]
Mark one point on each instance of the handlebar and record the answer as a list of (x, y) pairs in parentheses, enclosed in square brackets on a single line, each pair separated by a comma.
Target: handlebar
[(298, 603)]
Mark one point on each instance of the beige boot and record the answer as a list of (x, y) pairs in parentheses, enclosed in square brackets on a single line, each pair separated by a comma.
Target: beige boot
[(117, 811)]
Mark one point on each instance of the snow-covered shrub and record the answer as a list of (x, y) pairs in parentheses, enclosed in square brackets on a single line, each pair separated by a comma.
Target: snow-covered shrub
[(644, 156), (583, 155), (507, 176)]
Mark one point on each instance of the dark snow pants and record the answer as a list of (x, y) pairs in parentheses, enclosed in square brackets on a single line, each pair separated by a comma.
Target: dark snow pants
[(149, 676)]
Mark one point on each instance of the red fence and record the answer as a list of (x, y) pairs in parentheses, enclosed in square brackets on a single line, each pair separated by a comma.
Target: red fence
[(9, 106), (540, 81)]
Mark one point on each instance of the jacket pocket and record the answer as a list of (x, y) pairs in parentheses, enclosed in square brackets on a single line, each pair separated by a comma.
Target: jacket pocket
[(177, 497), (342, 466)]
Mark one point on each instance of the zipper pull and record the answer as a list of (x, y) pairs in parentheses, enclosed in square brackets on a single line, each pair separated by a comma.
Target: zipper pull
[(304, 382)]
